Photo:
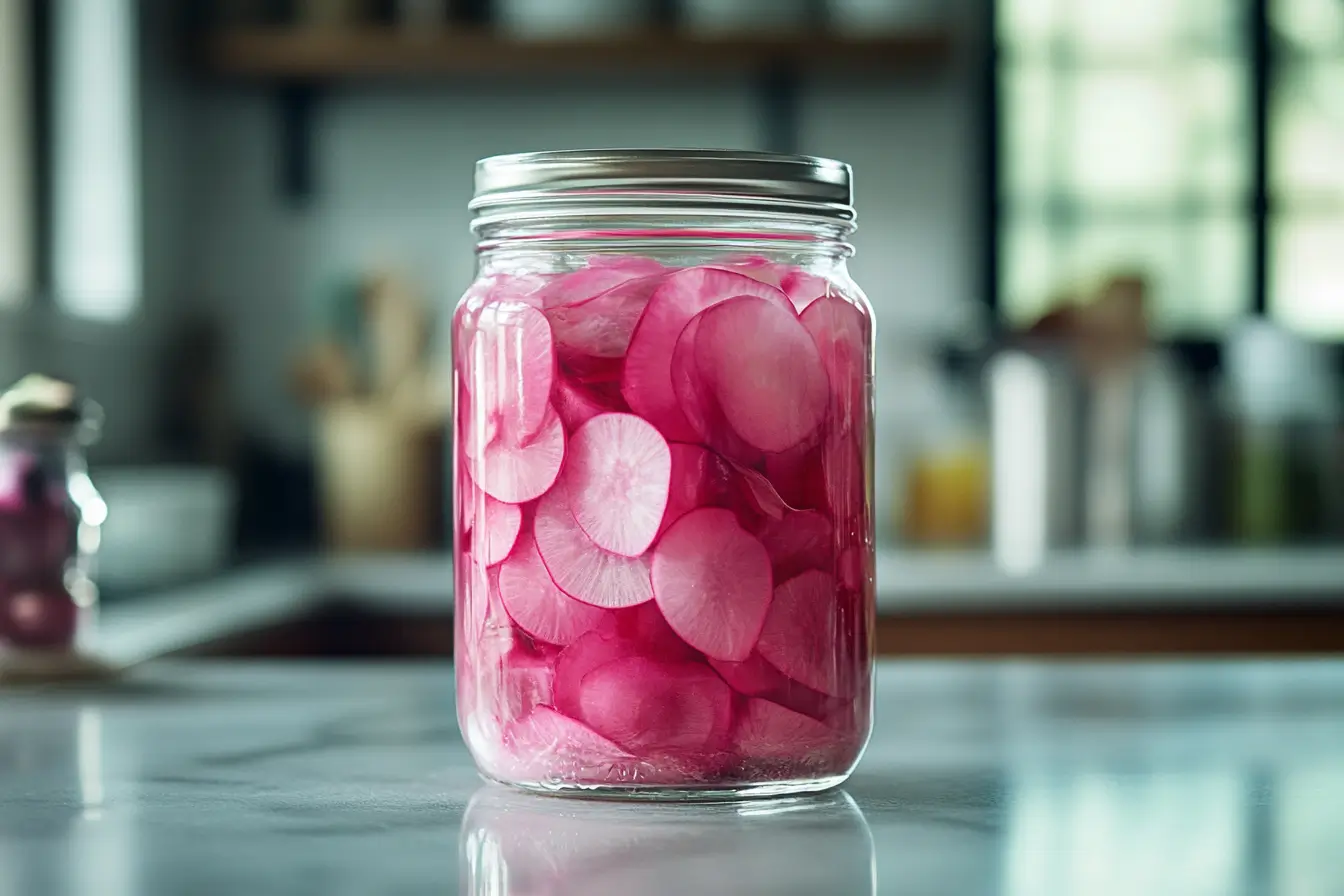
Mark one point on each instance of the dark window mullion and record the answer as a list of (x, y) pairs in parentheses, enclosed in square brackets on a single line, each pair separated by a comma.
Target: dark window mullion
[(40, 13), (1261, 73)]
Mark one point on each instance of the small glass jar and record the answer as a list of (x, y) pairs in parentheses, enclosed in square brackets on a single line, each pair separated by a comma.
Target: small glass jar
[(50, 515), (662, 456)]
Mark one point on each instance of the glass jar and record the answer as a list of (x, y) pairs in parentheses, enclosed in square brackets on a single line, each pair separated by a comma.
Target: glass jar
[(50, 516), (662, 462)]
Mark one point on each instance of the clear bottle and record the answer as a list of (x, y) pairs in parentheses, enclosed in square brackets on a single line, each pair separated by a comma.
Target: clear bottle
[(662, 463), (50, 519)]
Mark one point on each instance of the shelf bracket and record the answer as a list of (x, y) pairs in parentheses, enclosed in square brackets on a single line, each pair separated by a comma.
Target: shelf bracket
[(295, 107), (780, 99)]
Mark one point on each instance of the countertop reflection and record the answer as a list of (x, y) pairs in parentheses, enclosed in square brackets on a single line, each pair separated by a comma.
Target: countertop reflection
[(1008, 778)]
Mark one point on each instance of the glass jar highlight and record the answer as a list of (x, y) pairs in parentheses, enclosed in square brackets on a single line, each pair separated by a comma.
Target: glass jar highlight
[(50, 516), (662, 465)]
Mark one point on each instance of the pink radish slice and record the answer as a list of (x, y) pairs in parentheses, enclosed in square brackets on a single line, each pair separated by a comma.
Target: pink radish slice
[(695, 397), (644, 705), (580, 568), (647, 379), (803, 288), (516, 473), (689, 481), (712, 583), (499, 531), (529, 682), (797, 475), (767, 730), (765, 370), (840, 331), (648, 633), (536, 605), (548, 746), (846, 483), (616, 478), (598, 277), (755, 677), (601, 326), (798, 542), (509, 368), (802, 636), (575, 405), (757, 267), (852, 573), (762, 494), (590, 651)]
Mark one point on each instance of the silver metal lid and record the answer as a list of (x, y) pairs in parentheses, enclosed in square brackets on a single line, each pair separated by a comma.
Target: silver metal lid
[(714, 179), (43, 404)]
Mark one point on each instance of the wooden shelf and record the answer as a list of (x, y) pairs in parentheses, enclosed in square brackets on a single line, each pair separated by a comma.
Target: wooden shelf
[(291, 54)]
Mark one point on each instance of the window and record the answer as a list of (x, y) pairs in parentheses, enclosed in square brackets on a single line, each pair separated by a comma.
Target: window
[(16, 187), (1124, 135), (1306, 152), (96, 216)]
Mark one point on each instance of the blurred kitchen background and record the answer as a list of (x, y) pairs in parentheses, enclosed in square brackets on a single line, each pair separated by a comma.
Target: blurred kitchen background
[(1104, 242)]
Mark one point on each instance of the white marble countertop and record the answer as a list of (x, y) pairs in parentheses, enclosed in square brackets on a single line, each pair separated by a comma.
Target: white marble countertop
[(137, 629), (981, 778)]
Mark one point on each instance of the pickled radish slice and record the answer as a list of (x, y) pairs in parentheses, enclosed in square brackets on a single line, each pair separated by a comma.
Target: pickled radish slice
[(580, 568), (499, 532), (695, 478), (839, 330), (601, 326), (712, 582), (598, 277), (617, 477), (803, 288), (534, 602), (546, 745), (762, 493), (591, 651), (766, 372), (801, 634), (528, 680), (767, 730), (798, 542), (647, 379), (510, 366), (696, 398), (644, 705), (648, 633), (516, 473), (575, 405), (755, 677)]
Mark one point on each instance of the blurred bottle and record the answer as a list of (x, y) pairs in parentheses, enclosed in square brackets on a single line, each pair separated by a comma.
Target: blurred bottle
[(1282, 414)]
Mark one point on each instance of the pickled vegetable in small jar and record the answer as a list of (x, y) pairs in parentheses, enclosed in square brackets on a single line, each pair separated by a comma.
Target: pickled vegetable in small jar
[(50, 516), (662, 455)]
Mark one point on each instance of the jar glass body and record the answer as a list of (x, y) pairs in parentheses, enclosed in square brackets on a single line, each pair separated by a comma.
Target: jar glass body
[(50, 518), (663, 551)]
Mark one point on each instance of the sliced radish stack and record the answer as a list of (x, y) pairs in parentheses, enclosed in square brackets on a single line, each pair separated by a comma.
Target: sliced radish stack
[(516, 473), (534, 602), (593, 650), (498, 531), (802, 635), (598, 277), (601, 326), (575, 404), (765, 371), (700, 404), (647, 378), (839, 330), (767, 730), (712, 582), (755, 677), (547, 746), (647, 706), (617, 477), (583, 570), (797, 542), (509, 368)]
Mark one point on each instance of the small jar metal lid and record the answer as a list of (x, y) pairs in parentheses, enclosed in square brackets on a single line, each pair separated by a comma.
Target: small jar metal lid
[(714, 180), (45, 404)]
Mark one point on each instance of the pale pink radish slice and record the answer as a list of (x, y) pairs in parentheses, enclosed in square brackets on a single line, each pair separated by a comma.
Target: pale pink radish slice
[(755, 677), (767, 730), (598, 277), (499, 531), (601, 326), (509, 368), (840, 331), (798, 542), (765, 370), (590, 651), (757, 267), (583, 570), (575, 405), (803, 288), (644, 705), (517, 473), (548, 746), (647, 378), (529, 682), (617, 476), (691, 480), (696, 398), (536, 605), (712, 582), (761, 491), (649, 634), (797, 475), (802, 636)]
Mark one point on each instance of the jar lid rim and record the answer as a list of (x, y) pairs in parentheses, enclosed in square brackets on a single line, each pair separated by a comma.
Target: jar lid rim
[(708, 173)]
